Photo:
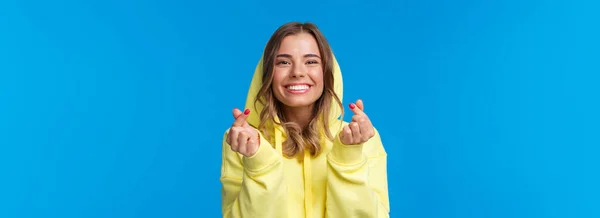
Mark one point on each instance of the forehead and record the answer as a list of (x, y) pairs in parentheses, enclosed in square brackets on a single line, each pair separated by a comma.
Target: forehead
[(302, 43)]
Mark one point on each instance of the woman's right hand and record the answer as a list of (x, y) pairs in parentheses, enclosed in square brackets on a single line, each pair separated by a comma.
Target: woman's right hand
[(242, 137)]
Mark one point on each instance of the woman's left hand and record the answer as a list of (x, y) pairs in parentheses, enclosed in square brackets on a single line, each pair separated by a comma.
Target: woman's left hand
[(360, 129)]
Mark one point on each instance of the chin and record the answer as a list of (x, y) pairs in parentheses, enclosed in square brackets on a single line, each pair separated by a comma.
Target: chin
[(293, 103)]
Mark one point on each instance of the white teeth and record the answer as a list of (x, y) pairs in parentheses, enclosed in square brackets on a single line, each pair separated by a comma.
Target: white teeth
[(298, 87)]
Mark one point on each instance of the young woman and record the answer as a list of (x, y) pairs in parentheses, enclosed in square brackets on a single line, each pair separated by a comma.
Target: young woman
[(290, 154)]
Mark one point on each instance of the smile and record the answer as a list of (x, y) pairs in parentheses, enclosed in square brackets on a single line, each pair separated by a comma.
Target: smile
[(298, 89)]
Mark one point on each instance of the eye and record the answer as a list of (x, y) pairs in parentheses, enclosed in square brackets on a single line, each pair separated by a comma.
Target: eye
[(282, 62), (312, 62)]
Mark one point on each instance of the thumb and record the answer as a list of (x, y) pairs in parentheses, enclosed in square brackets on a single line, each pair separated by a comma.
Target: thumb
[(236, 113), (240, 118), (360, 105)]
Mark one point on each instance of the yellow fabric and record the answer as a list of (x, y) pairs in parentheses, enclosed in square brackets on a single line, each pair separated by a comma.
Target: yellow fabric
[(345, 181)]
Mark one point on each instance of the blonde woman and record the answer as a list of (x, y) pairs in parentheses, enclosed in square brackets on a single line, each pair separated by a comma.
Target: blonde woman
[(289, 154)]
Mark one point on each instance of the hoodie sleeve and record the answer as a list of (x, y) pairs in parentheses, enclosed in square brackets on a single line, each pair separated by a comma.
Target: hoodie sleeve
[(357, 180), (252, 186)]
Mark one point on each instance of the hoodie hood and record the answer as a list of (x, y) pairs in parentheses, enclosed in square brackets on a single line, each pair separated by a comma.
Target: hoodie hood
[(254, 118)]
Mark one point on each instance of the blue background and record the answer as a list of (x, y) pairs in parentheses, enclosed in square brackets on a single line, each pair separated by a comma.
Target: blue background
[(117, 108)]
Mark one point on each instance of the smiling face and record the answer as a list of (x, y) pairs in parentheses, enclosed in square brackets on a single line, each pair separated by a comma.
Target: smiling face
[(297, 71), (298, 87)]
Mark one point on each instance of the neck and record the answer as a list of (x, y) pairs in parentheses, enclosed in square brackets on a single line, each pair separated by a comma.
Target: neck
[(299, 115)]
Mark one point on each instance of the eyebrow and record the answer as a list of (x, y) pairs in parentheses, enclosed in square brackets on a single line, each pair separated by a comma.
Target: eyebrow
[(290, 56)]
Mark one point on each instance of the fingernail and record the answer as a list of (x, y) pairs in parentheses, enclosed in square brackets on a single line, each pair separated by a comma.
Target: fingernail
[(247, 111), (351, 105)]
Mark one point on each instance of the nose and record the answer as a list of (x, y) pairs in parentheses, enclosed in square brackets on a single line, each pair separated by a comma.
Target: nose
[(299, 70)]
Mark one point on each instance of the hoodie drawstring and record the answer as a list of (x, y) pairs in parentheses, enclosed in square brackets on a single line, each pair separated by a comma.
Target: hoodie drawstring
[(306, 163), (307, 185)]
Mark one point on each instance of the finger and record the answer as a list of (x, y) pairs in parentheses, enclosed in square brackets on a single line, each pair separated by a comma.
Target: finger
[(242, 142), (357, 118), (365, 131), (236, 113), (240, 118), (363, 121), (356, 136), (360, 105), (228, 138), (356, 110), (234, 138), (253, 136), (253, 142), (346, 135), (366, 127)]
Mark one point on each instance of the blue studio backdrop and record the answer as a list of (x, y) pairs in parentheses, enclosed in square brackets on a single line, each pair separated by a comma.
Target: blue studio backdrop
[(118, 108)]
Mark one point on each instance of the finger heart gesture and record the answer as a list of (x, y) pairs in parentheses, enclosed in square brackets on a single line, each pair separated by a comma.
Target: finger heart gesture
[(360, 129), (242, 137)]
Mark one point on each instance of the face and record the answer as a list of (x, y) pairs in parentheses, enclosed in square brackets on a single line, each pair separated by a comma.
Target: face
[(298, 72)]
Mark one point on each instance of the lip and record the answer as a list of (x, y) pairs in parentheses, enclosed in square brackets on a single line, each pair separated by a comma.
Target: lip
[(297, 91), (297, 84)]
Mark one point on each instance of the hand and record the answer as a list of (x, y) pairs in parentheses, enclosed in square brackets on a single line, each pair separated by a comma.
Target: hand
[(360, 129), (242, 137)]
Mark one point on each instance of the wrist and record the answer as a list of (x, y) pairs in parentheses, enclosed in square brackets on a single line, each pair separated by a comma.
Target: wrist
[(346, 154)]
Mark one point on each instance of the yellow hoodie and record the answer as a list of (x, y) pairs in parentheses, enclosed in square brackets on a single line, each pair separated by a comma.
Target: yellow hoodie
[(344, 181)]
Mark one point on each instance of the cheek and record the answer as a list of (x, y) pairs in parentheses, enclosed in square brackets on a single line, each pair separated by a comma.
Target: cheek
[(278, 77), (317, 78)]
